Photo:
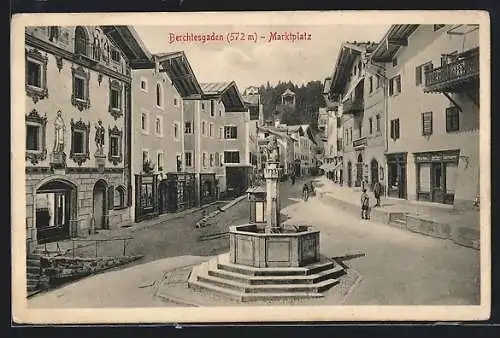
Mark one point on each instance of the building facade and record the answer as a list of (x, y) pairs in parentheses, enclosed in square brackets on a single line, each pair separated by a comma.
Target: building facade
[(433, 112), (78, 86)]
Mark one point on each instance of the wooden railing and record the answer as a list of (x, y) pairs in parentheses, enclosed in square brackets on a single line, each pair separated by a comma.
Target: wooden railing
[(463, 67)]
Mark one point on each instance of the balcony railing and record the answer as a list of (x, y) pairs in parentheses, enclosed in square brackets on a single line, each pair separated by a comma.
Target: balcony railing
[(360, 142), (449, 77), (353, 106)]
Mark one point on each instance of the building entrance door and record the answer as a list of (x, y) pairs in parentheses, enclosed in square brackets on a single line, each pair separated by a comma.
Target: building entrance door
[(99, 205), (437, 183), (359, 171)]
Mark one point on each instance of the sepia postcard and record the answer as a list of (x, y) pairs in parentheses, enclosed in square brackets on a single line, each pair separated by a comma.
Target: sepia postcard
[(250, 167)]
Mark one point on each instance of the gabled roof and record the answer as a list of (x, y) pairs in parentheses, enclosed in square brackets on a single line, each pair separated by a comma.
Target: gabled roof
[(127, 39), (288, 92), (178, 69), (345, 60), (227, 92), (272, 130), (251, 99), (395, 38)]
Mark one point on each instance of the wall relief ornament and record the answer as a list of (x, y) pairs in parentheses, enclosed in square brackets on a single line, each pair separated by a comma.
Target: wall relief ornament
[(34, 118), (99, 78), (37, 93), (99, 137), (85, 128), (59, 62), (84, 103)]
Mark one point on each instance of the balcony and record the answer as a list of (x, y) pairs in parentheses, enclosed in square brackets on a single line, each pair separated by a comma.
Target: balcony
[(353, 106), (359, 143), (454, 76)]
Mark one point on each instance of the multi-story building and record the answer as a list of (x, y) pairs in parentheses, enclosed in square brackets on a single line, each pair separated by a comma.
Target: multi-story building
[(251, 97), (78, 86), (304, 152), (433, 111), (360, 99), (158, 140)]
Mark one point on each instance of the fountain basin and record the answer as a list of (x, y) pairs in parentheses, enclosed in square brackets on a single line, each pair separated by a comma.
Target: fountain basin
[(295, 246)]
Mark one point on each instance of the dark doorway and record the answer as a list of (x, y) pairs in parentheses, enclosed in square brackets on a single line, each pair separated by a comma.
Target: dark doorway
[(349, 173), (54, 206), (359, 171), (437, 182), (100, 210), (163, 197), (374, 173)]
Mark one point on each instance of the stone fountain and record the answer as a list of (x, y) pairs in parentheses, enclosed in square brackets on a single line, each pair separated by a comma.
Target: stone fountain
[(270, 261)]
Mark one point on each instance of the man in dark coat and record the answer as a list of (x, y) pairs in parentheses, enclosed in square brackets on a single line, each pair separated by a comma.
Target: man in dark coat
[(377, 190)]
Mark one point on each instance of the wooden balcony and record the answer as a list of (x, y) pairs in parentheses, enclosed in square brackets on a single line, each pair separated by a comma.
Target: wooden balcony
[(455, 76), (359, 143), (353, 106)]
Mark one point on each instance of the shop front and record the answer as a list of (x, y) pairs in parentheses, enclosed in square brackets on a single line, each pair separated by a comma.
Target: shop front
[(396, 175), (180, 192), (146, 201), (436, 176)]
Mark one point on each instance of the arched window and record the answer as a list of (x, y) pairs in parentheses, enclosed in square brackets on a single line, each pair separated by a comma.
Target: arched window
[(119, 197), (81, 41), (159, 95)]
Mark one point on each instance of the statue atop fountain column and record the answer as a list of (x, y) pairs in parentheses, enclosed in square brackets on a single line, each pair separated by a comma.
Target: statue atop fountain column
[(271, 174)]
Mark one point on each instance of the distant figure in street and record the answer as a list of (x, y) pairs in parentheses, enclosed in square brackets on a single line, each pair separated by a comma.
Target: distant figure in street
[(305, 192), (377, 190), (365, 205), (292, 176)]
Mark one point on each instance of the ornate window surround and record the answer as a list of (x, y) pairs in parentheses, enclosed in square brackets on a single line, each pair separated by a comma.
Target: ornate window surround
[(37, 93), (115, 132), (116, 85), (33, 118), (85, 75), (85, 128)]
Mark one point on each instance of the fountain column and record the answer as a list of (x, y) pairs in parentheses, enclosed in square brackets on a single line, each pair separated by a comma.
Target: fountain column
[(271, 174)]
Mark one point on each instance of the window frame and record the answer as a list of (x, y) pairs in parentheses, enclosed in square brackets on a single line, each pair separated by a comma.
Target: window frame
[(116, 86), (448, 116), (159, 95), (377, 122), (231, 152), (160, 164), (122, 193), (395, 129), (117, 134), (159, 118), (143, 80), (204, 160), (33, 118), (211, 130), (42, 92), (427, 117), (190, 164), (212, 108), (189, 130), (176, 125), (145, 130), (81, 73), (204, 128), (228, 134), (82, 127), (370, 84), (370, 124)]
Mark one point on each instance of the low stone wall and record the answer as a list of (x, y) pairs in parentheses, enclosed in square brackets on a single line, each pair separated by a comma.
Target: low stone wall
[(56, 269)]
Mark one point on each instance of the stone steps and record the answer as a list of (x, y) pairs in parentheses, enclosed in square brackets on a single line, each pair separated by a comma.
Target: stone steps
[(253, 284), (33, 272)]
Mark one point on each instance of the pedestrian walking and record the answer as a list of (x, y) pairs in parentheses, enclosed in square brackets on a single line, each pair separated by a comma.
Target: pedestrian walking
[(365, 205), (305, 192), (292, 176), (377, 190)]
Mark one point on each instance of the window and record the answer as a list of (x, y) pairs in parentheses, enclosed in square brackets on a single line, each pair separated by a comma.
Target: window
[(115, 145), (230, 132), (176, 102), (159, 160), (395, 129), (80, 95), (35, 137), (339, 145), (427, 123), (203, 106), (204, 160), (370, 81), (212, 108), (211, 130), (188, 156), (119, 197), (53, 33), (394, 62), (34, 74), (81, 41), (231, 157), (378, 122), (395, 85), (188, 127), (217, 159), (437, 27), (420, 72), (145, 122), (144, 85), (370, 122), (80, 141), (159, 126), (115, 98), (176, 131), (452, 119), (211, 160), (221, 132), (159, 95), (339, 122), (379, 81), (203, 128), (221, 160), (145, 158), (115, 55)]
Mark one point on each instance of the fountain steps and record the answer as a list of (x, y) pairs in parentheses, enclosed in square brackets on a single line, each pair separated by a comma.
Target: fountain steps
[(213, 276)]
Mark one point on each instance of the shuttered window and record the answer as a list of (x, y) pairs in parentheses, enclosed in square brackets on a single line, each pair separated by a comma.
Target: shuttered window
[(427, 123)]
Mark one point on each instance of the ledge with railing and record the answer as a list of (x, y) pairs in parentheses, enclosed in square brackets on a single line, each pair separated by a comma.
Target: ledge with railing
[(449, 76)]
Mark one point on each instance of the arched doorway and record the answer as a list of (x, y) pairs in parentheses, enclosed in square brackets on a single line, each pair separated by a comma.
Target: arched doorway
[(359, 170), (100, 208), (55, 206), (374, 172), (349, 173)]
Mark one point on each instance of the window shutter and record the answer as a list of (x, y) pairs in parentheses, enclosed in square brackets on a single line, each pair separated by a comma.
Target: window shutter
[(235, 132), (391, 86), (392, 129), (397, 128), (418, 75)]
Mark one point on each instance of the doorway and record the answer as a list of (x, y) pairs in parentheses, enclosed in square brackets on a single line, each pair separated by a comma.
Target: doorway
[(437, 183), (359, 171), (374, 173), (349, 174), (53, 210), (99, 205)]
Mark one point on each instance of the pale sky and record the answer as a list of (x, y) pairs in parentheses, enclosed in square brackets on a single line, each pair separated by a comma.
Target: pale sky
[(249, 63)]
